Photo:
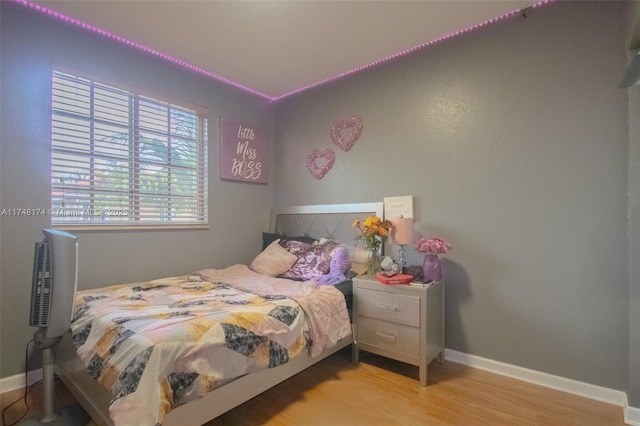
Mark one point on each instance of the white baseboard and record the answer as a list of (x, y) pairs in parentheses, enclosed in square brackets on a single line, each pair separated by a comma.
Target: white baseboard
[(598, 393), (9, 384), (632, 415)]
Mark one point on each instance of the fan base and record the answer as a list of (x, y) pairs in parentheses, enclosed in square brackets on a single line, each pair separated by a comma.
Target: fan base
[(69, 415)]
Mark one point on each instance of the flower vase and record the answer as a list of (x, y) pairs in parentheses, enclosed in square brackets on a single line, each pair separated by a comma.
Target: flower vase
[(374, 263), (431, 269)]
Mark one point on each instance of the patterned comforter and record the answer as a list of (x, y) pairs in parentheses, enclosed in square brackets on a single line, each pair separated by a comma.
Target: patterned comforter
[(159, 344)]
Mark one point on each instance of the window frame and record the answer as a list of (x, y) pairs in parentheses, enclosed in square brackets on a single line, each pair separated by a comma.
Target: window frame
[(133, 215)]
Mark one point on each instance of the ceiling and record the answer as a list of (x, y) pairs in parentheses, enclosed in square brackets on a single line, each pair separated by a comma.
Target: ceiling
[(278, 47)]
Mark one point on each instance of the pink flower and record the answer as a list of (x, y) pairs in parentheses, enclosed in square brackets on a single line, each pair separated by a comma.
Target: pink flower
[(433, 245)]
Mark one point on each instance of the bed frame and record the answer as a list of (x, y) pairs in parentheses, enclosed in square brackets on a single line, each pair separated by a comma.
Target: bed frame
[(332, 221)]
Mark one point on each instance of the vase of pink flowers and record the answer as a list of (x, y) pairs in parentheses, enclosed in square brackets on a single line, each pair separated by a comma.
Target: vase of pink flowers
[(432, 247)]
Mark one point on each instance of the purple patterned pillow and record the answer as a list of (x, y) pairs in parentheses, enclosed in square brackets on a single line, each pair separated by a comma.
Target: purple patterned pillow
[(295, 247), (314, 260)]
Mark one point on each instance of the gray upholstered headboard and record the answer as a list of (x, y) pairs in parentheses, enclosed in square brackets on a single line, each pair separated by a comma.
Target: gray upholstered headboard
[(333, 221)]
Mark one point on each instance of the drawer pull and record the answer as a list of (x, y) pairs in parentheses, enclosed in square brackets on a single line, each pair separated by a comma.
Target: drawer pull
[(387, 307), (385, 336)]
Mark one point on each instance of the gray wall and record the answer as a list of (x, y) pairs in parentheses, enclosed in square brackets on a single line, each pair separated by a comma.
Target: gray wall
[(514, 141), (31, 44)]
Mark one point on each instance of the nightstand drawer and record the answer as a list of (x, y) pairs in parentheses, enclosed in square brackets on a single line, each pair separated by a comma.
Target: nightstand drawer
[(394, 307), (391, 336)]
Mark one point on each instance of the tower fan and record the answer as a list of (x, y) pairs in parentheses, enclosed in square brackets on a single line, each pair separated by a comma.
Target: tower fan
[(53, 290)]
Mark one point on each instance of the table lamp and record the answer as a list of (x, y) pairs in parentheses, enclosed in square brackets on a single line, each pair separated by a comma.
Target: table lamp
[(402, 235)]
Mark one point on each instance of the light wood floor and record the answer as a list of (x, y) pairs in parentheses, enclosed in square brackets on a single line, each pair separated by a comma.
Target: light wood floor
[(379, 391)]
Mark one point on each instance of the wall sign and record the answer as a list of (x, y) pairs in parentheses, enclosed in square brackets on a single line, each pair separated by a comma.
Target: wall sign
[(398, 207), (243, 152)]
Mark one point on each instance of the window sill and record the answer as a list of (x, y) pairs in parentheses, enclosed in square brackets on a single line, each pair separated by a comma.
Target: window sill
[(121, 227)]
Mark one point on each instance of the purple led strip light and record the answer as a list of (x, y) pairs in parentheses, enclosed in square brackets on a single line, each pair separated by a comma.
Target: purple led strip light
[(411, 50), (141, 47), (255, 92)]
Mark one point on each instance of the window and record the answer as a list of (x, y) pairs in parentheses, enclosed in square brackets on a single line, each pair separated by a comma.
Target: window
[(120, 158)]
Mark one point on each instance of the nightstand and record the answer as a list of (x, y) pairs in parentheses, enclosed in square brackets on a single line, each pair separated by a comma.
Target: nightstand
[(402, 322)]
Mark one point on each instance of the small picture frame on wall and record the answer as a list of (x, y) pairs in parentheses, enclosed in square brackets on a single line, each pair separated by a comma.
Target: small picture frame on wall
[(398, 207), (243, 152)]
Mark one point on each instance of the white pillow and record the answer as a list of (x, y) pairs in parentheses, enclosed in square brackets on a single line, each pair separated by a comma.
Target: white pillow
[(358, 256), (274, 260), (359, 268)]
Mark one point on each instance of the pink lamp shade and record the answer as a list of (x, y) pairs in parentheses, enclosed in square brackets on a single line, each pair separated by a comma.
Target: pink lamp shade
[(403, 230)]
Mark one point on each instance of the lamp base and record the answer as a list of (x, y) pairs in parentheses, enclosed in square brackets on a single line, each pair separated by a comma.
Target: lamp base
[(401, 262)]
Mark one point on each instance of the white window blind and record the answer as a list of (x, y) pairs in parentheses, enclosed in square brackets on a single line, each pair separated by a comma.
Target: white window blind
[(120, 158)]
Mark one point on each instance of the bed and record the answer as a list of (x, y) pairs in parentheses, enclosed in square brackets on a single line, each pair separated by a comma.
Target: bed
[(292, 354)]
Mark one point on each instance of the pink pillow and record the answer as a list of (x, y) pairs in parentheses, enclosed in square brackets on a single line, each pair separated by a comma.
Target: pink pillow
[(273, 260)]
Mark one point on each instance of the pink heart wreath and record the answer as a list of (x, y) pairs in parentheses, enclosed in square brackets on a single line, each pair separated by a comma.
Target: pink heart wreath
[(345, 143), (326, 156)]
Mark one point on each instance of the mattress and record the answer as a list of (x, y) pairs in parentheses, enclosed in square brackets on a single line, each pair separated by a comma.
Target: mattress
[(346, 288), (159, 344)]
